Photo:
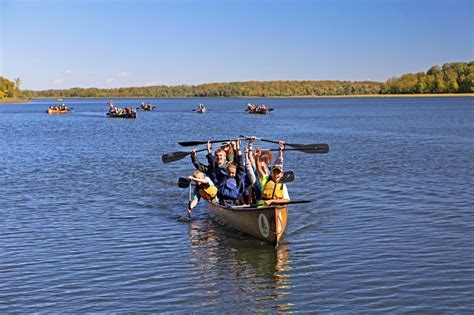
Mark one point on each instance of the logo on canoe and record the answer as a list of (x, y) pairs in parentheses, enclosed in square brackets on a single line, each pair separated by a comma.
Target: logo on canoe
[(263, 225)]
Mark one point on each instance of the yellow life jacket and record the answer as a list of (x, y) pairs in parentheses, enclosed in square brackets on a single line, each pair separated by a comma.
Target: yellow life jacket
[(272, 190), (207, 192)]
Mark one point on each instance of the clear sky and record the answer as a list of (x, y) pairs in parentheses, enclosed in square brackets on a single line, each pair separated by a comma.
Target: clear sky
[(56, 44)]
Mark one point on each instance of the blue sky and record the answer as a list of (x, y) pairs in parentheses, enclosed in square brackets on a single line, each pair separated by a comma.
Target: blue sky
[(56, 44)]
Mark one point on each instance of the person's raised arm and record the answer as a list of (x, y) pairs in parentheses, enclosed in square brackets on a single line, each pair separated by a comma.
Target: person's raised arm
[(260, 164), (197, 164), (248, 166), (279, 160)]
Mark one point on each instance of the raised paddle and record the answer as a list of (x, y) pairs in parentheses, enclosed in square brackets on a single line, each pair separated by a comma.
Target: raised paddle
[(175, 156), (321, 148), (194, 143)]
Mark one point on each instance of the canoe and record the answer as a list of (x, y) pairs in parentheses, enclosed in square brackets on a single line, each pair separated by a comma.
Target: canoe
[(146, 108), (260, 111), (123, 115), (57, 111), (265, 223)]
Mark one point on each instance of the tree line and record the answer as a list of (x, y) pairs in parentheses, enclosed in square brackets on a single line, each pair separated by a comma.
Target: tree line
[(456, 77)]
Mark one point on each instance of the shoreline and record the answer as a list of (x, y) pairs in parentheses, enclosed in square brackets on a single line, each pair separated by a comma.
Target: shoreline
[(14, 100), (22, 101)]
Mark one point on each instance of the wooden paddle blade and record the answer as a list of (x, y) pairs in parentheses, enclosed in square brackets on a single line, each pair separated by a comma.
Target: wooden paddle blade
[(174, 156), (183, 182)]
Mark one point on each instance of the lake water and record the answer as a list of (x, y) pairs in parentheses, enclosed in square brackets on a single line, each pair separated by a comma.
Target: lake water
[(90, 215)]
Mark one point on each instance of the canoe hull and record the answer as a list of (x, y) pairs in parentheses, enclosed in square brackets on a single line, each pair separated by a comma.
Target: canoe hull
[(130, 115), (259, 112), (268, 223), (56, 111)]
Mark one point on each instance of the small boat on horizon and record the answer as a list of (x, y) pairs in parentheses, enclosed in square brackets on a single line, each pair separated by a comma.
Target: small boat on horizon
[(58, 109), (146, 107), (201, 109), (118, 112), (258, 109)]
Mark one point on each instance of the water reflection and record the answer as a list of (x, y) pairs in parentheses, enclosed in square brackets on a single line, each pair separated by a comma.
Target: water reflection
[(252, 274)]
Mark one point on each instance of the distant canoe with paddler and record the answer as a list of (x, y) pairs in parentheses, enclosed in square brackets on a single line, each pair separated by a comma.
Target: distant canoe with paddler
[(123, 114), (146, 107), (62, 109), (258, 109), (201, 109), (265, 223)]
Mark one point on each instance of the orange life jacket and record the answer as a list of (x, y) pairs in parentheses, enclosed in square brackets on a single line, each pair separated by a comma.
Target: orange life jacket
[(207, 192), (272, 190)]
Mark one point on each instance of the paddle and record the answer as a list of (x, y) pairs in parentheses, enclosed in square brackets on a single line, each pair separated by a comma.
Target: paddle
[(272, 205), (309, 148), (183, 182), (287, 177), (317, 148), (190, 201), (175, 156), (195, 143), (284, 203)]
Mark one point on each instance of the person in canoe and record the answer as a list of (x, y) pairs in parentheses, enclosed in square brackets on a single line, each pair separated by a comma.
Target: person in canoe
[(273, 190), (252, 189), (201, 108), (205, 188), (229, 149), (111, 107), (220, 158), (229, 183)]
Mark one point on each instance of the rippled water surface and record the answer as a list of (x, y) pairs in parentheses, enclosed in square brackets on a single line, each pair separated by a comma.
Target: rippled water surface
[(90, 215)]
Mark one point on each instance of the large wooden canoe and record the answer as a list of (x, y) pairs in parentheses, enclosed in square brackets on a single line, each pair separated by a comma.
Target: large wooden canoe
[(265, 223)]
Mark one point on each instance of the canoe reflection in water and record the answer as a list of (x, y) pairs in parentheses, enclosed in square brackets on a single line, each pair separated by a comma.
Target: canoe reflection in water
[(255, 273)]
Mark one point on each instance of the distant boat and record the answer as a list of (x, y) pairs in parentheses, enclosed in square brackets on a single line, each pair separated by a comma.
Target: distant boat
[(117, 112), (59, 99), (146, 107), (201, 109), (58, 109), (258, 109), (122, 114)]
